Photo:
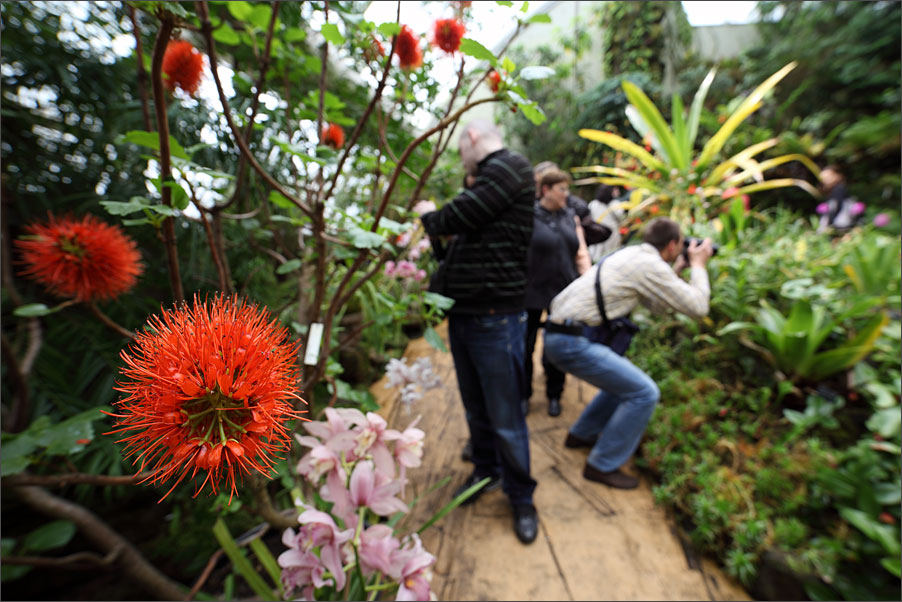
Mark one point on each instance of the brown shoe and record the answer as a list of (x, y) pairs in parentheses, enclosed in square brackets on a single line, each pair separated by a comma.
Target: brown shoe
[(614, 478), (574, 441)]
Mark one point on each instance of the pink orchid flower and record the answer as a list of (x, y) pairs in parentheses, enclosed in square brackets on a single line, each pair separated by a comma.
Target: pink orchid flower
[(320, 530), (377, 544), (370, 440), (300, 567), (375, 490), (881, 220), (413, 562), (822, 209)]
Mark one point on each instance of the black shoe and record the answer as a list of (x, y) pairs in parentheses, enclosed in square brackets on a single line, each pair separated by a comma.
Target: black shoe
[(466, 454), (474, 478), (554, 406), (526, 522), (524, 406), (613, 478), (573, 441)]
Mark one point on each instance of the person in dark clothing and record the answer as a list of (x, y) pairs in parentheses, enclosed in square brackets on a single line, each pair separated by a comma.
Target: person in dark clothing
[(485, 272), (557, 243), (839, 212), (594, 232)]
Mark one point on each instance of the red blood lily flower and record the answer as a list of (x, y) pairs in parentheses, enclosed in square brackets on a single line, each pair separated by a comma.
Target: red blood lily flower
[(183, 66), (209, 387), (494, 80), (448, 33), (692, 188), (408, 49), (85, 259), (333, 135)]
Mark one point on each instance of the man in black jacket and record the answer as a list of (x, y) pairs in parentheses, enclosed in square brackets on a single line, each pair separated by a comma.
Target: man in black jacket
[(485, 272)]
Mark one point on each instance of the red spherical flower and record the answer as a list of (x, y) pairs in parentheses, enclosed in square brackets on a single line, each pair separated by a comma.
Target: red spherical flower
[(447, 34), (692, 188), (408, 49), (209, 387), (333, 135), (85, 259), (183, 66), (494, 80)]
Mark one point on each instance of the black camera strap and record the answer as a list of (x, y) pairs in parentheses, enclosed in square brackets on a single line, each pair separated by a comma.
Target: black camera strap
[(599, 299)]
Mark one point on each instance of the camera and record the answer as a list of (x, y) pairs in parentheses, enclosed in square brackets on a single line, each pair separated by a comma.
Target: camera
[(688, 241)]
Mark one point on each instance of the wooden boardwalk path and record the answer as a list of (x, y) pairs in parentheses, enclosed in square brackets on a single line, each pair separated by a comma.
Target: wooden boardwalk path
[(595, 543)]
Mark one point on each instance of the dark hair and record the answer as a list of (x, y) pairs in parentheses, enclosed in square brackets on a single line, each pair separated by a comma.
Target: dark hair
[(553, 176), (604, 193), (660, 231)]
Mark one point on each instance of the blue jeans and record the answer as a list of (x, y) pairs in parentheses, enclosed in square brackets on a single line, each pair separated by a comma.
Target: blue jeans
[(488, 353), (626, 398)]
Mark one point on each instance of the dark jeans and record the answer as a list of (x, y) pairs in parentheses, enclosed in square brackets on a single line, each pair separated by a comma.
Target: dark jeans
[(488, 358), (554, 378)]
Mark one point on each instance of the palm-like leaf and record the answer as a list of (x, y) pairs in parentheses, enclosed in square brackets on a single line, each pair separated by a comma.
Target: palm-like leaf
[(653, 118), (748, 106), (622, 144)]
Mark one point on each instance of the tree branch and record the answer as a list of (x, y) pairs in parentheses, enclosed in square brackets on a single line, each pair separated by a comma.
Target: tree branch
[(207, 30), (107, 321), (75, 478), (142, 73), (241, 171), (167, 24), (130, 561), (80, 561)]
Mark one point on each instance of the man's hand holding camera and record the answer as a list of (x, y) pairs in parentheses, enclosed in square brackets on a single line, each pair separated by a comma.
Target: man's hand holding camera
[(696, 253)]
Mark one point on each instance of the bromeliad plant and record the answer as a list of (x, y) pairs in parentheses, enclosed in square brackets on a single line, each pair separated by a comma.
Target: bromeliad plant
[(692, 186), (794, 344)]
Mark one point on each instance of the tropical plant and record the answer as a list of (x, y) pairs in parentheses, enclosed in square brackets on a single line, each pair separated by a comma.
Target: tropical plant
[(794, 344), (691, 186)]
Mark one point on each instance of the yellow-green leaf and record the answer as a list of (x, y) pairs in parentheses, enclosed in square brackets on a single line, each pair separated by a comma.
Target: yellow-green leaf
[(622, 144), (652, 116), (748, 106)]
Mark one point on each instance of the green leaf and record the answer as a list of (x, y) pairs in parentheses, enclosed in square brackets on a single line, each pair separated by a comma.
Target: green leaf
[(504, 3), (893, 565), (533, 113), (477, 51), (17, 451), (240, 10), (240, 562), (698, 103), (260, 15), (508, 65), (280, 200), (135, 204), (152, 140), (888, 494), (436, 300), (536, 72), (32, 310), (49, 537), (226, 35), (364, 239), (887, 422), (289, 266), (295, 34), (539, 18), (180, 199), (332, 35), (652, 117), (433, 338), (269, 563), (453, 504), (389, 29)]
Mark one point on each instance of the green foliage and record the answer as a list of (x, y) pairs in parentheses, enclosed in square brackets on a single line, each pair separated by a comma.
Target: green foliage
[(847, 84), (640, 37)]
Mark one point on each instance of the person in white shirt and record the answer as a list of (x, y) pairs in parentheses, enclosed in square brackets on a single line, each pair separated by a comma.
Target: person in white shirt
[(614, 421)]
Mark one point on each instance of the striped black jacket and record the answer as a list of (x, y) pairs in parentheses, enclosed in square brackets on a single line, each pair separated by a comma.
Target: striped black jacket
[(485, 268)]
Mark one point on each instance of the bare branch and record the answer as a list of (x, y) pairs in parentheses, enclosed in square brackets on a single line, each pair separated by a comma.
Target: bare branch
[(130, 561), (159, 101), (80, 561), (207, 30), (75, 478), (107, 321), (142, 73)]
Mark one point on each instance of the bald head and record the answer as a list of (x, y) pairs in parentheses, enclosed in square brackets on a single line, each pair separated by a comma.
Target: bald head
[(478, 140)]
